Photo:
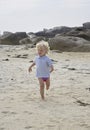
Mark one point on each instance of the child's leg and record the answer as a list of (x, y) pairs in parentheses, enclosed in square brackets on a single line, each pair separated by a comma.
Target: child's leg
[(47, 83), (41, 82)]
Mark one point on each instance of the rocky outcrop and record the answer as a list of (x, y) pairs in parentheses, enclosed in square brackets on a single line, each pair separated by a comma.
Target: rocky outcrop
[(68, 43), (86, 25), (12, 38), (79, 32), (60, 38), (49, 33), (25, 41)]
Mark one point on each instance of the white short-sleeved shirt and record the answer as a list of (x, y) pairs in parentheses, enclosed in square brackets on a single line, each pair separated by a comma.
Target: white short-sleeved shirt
[(43, 64)]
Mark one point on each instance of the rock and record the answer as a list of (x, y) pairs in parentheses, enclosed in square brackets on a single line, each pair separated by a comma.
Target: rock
[(60, 38), (34, 39), (79, 32), (86, 25), (13, 38), (49, 33), (67, 43), (6, 59), (6, 34), (71, 68), (25, 41)]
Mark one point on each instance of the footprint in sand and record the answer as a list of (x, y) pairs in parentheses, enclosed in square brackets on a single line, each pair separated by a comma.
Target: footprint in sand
[(28, 127), (8, 112)]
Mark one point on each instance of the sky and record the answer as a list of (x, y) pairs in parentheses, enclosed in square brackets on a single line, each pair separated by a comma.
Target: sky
[(36, 15)]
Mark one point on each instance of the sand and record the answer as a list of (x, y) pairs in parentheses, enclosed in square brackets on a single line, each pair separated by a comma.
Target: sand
[(67, 104)]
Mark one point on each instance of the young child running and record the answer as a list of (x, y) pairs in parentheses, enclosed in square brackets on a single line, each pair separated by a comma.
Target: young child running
[(43, 66)]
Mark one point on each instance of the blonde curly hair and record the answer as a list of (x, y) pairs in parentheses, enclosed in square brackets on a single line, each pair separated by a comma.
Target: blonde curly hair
[(43, 45)]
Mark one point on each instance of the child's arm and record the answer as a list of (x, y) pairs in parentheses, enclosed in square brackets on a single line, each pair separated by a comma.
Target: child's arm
[(51, 68), (30, 68)]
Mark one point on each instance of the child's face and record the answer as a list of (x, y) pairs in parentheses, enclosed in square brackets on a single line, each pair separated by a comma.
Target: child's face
[(41, 51)]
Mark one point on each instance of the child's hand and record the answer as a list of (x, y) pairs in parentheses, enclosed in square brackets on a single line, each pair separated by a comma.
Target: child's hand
[(52, 69), (30, 69)]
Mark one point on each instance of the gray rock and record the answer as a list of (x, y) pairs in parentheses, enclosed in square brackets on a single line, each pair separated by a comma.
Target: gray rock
[(68, 43), (86, 25), (25, 41), (13, 38), (49, 33)]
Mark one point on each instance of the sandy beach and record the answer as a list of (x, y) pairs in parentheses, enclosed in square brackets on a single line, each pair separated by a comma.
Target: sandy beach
[(67, 104)]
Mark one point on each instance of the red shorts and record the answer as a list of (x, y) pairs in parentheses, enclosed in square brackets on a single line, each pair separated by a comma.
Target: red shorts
[(44, 79)]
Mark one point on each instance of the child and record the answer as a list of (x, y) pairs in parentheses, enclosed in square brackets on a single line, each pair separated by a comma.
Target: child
[(43, 66)]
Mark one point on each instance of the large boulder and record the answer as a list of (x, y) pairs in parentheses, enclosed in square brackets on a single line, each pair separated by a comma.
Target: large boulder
[(86, 25), (25, 41), (85, 35), (34, 39), (68, 43), (12, 38)]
